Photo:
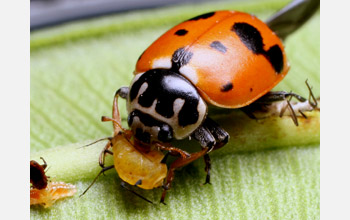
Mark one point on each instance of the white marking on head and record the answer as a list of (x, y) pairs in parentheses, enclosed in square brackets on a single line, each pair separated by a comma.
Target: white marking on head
[(190, 73), (177, 106), (164, 63), (143, 88)]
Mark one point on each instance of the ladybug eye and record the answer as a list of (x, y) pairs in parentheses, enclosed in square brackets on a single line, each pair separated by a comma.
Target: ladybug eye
[(165, 133)]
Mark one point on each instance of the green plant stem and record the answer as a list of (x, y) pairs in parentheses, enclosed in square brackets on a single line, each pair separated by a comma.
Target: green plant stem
[(73, 162)]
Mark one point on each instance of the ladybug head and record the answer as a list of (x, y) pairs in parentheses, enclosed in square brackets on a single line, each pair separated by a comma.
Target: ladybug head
[(164, 105)]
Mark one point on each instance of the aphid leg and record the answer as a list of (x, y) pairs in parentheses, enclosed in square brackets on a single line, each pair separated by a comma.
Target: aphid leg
[(180, 162), (172, 150), (98, 175), (270, 104), (125, 186), (101, 159), (312, 102)]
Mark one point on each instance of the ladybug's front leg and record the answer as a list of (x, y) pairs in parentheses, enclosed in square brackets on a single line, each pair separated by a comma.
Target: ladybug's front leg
[(211, 136), (180, 162)]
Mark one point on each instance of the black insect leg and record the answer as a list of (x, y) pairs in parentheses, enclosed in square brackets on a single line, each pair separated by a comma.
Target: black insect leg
[(101, 159), (98, 175), (207, 168), (270, 104), (45, 164), (221, 136), (125, 186), (180, 162), (210, 135)]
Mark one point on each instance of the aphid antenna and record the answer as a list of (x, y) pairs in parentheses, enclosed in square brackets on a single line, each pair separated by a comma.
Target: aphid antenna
[(45, 164), (101, 139)]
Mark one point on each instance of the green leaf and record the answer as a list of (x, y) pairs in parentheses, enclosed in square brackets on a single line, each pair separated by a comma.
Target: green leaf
[(269, 169)]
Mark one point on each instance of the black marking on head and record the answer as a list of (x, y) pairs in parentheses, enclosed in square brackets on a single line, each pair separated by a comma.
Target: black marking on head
[(275, 56), (166, 86), (181, 32), (180, 58), (218, 46), (251, 37), (203, 16), (227, 87), (165, 133)]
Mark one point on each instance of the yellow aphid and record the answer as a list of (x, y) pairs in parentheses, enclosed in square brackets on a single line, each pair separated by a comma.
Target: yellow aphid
[(133, 165)]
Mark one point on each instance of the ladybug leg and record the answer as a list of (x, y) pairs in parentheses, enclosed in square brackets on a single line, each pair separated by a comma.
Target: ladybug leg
[(221, 136), (207, 168), (172, 150), (180, 162), (210, 135), (123, 93)]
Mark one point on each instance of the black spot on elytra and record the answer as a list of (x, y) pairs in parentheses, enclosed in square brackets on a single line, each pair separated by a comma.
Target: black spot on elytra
[(275, 56), (251, 37), (181, 32), (251, 90), (227, 87), (203, 16), (180, 57), (218, 46), (166, 86)]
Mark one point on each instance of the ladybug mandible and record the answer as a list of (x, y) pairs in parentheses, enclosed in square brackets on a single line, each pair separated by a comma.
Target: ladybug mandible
[(228, 59)]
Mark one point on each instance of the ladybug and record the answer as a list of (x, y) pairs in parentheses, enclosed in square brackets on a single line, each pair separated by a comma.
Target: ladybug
[(227, 59)]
